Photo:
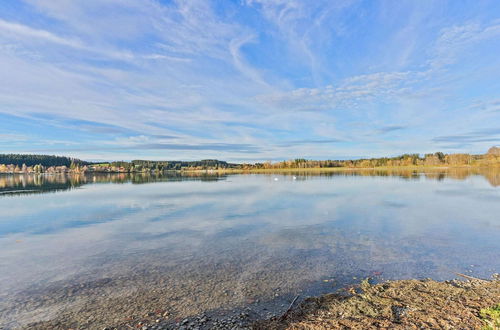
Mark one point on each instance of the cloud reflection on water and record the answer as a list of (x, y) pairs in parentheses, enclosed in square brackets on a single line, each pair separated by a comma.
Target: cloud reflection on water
[(245, 229)]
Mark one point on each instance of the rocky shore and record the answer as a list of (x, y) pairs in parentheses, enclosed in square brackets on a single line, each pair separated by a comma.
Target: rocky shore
[(405, 304), (467, 303)]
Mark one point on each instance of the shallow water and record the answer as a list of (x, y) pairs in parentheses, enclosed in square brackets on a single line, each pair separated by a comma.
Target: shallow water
[(105, 248)]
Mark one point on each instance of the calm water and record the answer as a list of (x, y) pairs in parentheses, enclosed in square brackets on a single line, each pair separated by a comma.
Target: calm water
[(186, 244)]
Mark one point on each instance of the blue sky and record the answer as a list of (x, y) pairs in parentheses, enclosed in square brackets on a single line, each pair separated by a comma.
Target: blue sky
[(248, 80)]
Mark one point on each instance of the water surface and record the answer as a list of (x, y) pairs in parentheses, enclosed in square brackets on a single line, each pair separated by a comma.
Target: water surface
[(127, 245)]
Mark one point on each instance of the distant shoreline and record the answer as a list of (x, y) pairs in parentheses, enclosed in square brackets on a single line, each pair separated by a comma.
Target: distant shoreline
[(20, 163), (268, 170), (342, 169)]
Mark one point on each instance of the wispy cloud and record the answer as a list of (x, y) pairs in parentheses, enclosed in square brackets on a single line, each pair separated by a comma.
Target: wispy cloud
[(227, 147), (457, 38), (350, 93), (19, 30), (265, 79), (310, 142), (13, 138), (482, 135), (390, 128)]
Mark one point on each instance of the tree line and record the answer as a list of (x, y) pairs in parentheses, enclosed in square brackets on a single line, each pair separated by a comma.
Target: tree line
[(19, 163), (159, 166), (43, 160), (432, 159)]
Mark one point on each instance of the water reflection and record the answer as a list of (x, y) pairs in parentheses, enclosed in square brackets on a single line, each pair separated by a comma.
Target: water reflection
[(492, 174), (42, 183), (189, 243)]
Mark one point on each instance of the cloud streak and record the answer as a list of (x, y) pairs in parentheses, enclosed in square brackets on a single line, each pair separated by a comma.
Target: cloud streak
[(389, 129), (264, 79), (484, 135), (20, 30)]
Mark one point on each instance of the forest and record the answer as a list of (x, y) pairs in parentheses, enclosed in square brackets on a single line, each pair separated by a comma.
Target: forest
[(436, 159), (492, 157), (44, 160), (20, 163)]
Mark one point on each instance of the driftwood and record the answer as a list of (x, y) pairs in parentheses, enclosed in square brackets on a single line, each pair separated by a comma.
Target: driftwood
[(289, 308), (472, 278)]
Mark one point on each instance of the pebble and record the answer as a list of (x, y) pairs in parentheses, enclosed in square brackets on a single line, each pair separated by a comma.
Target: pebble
[(237, 320)]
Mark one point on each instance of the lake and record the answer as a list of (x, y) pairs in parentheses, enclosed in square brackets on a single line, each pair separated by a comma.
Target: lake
[(96, 250)]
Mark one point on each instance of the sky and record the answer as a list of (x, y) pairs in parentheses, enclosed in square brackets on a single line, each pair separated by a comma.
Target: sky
[(248, 80)]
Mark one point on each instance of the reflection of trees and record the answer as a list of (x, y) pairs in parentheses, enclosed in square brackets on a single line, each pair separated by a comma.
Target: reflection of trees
[(38, 183), (41, 183), (491, 174)]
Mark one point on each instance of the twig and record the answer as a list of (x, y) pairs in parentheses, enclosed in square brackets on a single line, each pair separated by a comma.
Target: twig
[(289, 308), (472, 277)]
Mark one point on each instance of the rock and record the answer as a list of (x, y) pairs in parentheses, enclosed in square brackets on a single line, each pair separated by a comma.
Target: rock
[(398, 312)]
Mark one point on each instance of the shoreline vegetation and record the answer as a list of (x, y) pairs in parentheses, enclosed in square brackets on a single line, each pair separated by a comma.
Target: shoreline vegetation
[(19, 164), (470, 303)]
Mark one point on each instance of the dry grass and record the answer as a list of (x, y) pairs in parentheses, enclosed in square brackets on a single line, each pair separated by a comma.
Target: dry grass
[(406, 304)]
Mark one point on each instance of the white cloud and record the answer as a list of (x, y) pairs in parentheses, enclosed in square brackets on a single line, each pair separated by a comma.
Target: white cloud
[(13, 138), (15, 29), (351, 92), (239, 61), (456, 39), (198, 70)]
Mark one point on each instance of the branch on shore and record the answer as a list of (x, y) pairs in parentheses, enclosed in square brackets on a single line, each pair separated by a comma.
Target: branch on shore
[(472, 277), (289, 308)]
